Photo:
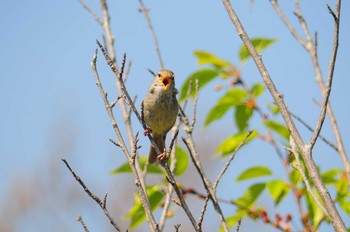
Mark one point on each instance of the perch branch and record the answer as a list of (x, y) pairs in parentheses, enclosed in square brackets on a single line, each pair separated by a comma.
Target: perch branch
[(137, 173), (131, 104)]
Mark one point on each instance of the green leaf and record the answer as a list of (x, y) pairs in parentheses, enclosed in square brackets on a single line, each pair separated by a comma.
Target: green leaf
[(125, 168), (295, 177), (259, 43), (254, 172), (204, 76), (250, 195), (181, 161), (137, 213), (231, 98), (205, 57), (329, 177), (232, 220), (231, 143), (278, 128), (315, 213), (273, 108), (257, 89), (344, 203), (278, 189), (242, 116)]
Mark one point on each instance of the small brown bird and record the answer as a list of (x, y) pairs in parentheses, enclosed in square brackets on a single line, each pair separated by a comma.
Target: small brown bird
[(160, 109)]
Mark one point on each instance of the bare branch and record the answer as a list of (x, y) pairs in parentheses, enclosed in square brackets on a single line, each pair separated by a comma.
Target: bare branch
[(208, 186), (94, 197), (312, 51), (331, 67), (80, 220), (172, 151), (310, 129), (195, 104), (303, 23), (306, 152), (145, 11), (201, 217), (238, 225), (86, 7), (170, 176), (133, 165), (287, 23)]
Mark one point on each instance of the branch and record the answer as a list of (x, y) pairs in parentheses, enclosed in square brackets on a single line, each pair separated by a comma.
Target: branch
[(287, 23), (94, 197), (86, 7), (145, 11), (331, 67), (131, 104), (133, 165), (310, 129), (306, 152), (80, 220), (230, 159), (196, 161), (312, 51)]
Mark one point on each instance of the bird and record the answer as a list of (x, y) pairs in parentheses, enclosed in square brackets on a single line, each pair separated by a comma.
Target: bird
[(159, 111)]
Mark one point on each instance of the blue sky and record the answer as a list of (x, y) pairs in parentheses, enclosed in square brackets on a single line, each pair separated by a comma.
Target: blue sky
[(51, 108)]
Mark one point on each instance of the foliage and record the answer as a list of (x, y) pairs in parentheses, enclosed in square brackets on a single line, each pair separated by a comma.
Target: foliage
[(242, 102)]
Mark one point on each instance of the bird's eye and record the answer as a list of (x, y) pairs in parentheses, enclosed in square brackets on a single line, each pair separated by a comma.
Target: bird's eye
[(158, 75)]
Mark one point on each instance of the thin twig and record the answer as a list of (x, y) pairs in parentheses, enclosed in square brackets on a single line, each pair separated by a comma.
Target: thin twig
[(328, 88), (204, 208), (238, 225), (230, 159), (81, 221), (94, 197), (86, 7), (195, 104), (329, 143), (306, 153), (303, 23), (287, 23), (145, 11), (208, 186)]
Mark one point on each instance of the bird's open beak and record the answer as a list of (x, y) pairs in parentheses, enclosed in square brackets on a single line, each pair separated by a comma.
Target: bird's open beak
[(166, 81)]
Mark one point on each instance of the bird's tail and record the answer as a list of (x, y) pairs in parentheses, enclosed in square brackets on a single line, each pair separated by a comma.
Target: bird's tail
[(160, 141)]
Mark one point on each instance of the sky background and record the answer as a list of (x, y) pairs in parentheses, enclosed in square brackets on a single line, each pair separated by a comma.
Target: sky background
[(51, 108)]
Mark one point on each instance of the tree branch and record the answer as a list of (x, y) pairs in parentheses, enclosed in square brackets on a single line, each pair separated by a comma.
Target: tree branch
[(145, 11), (81, 221), (94, 197), (306, 152), (131, 159), (312, 51)]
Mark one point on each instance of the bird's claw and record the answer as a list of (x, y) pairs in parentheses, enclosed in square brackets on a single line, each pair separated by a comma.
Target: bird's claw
[(147, 131), (162, 156)]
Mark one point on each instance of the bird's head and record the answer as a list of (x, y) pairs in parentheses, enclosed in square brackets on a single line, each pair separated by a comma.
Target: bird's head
[(166, 78)]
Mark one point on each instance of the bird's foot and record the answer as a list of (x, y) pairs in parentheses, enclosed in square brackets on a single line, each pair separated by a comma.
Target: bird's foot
[(147, 131), (162, 156)]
